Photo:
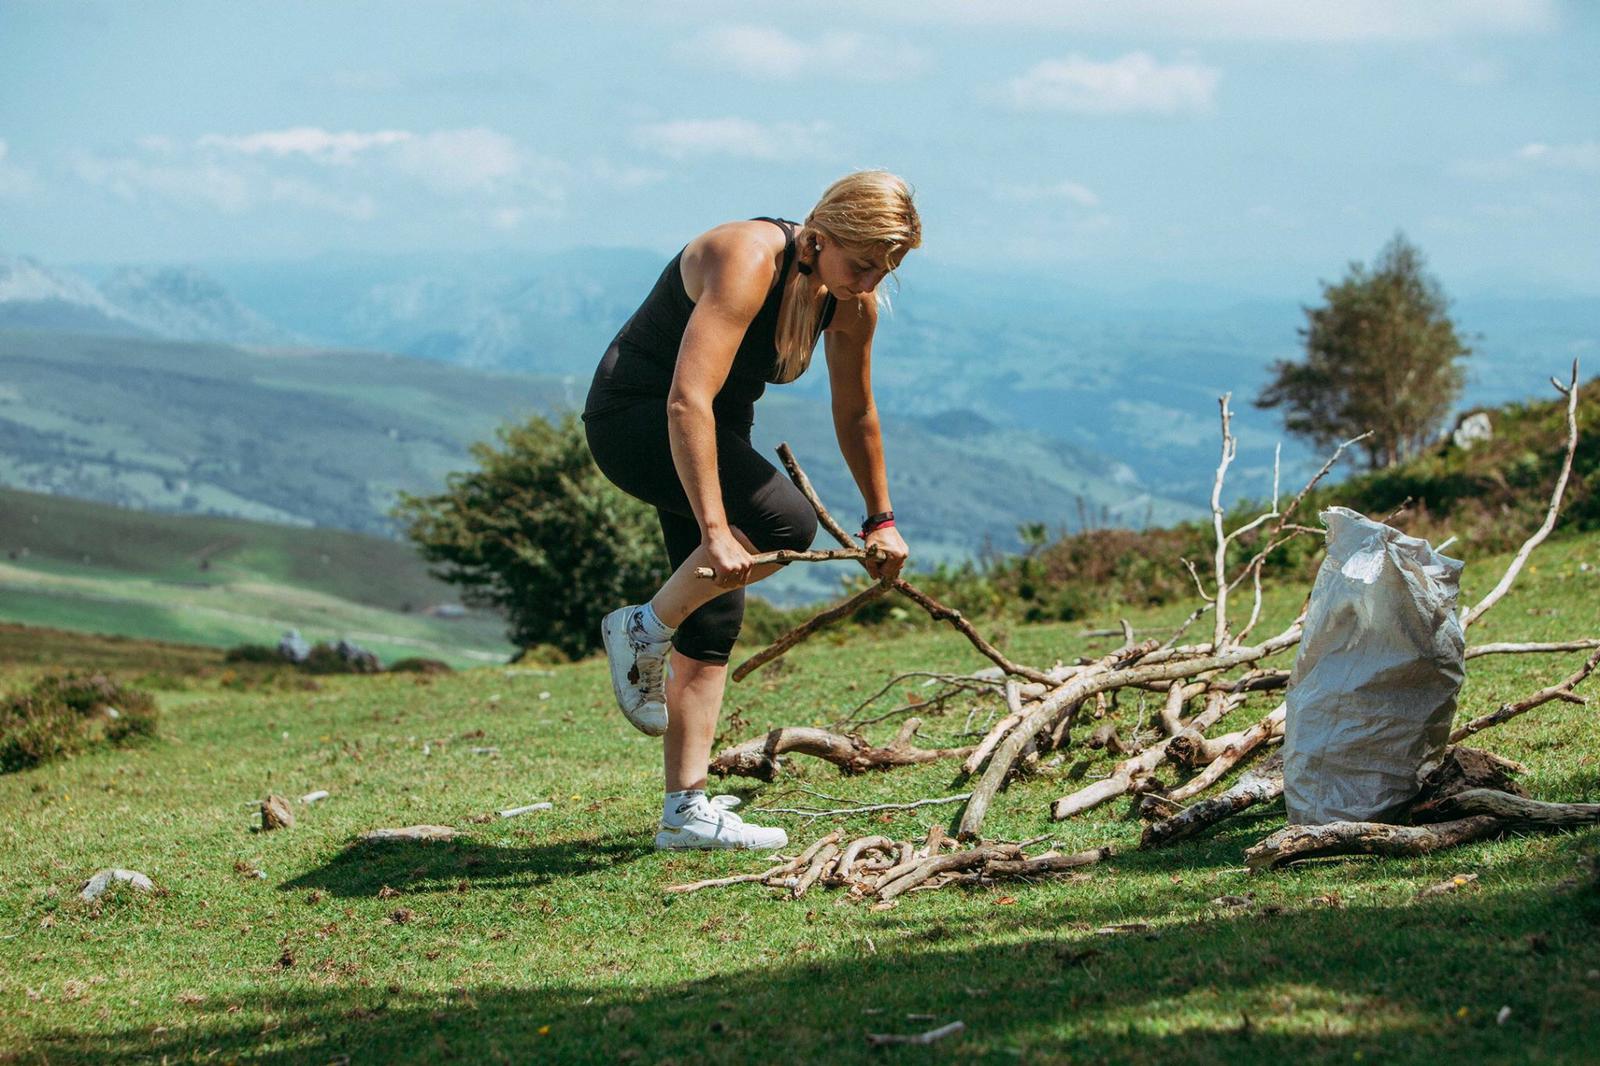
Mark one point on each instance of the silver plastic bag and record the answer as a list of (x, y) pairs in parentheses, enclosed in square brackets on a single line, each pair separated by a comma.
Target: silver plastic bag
[(1374, 685)]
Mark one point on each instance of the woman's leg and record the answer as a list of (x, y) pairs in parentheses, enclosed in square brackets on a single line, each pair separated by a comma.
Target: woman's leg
[(684, 593), (694, 692)]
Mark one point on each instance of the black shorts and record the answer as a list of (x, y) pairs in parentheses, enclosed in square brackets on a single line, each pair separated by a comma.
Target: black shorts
[(632, 449)]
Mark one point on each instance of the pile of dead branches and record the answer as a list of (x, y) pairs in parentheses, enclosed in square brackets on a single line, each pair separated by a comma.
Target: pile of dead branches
[(1172, 755), (880, 869)]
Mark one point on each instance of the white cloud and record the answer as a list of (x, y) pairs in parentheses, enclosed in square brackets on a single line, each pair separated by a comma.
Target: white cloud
[(16, 182), (204, 183), (1583, 156), (460, 160), (627, 176), (737, 137), (1131, 84), (1578, 157), (1333, 21), (344, 174), (1070, 191), (760, 52), (309, 141)]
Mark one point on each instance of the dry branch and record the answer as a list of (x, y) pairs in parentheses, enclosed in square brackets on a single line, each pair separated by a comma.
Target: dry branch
[(1508, 711), (790, 555), (826, 617), (1296, 842), (826, 863), (1571, 393), (871, 808), (938, 611), (1262, 784), (850, 752)]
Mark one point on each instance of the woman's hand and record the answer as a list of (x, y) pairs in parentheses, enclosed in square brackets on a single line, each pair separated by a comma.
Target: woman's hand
[(728, 558), (891, 553)]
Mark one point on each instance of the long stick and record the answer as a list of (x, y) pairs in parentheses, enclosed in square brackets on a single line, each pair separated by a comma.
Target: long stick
[(938, 611), (1086, 685), (1571, 392), (869, 809), (800, 632), (1508, 711)]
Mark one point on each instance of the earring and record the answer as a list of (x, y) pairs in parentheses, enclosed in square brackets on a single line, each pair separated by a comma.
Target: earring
[(804, 267)]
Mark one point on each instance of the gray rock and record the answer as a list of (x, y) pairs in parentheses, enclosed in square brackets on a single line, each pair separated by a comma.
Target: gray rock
[(97, 885), (276, 814), (293, 646), (1472, 429), (412, 832)]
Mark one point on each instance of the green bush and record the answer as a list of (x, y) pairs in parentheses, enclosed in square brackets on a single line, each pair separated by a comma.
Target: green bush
[(539, 533), (327, 659), (63, 715), (417, 665), (253, 653)]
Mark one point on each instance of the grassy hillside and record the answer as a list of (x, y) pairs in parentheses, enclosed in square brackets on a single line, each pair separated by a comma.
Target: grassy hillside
[(548, 938), (218, 581), (328, 437)]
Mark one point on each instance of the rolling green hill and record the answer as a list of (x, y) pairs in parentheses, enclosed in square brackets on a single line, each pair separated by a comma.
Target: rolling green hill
[(87, 566), (326, 438)]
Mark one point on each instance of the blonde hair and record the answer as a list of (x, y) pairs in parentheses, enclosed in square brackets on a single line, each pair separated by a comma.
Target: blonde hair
[(870, 214)]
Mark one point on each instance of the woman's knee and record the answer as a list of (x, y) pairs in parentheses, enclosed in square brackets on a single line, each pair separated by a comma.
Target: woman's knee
[(784, 520), (710, 631)]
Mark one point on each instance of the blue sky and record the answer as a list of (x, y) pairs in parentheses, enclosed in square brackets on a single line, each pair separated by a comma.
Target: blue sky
[(1245, 143)]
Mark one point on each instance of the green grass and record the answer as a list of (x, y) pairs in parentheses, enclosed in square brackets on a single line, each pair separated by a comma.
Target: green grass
[(547, 938), (74, 564)]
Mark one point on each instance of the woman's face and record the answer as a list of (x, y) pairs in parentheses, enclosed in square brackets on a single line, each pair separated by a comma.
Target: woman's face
[(850, 272)]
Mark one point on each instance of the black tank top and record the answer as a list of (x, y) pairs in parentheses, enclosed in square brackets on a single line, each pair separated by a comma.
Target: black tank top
[(641, 358)]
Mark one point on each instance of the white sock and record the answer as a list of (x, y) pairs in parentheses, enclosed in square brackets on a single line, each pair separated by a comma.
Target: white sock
[(675, 807), (649, 626)]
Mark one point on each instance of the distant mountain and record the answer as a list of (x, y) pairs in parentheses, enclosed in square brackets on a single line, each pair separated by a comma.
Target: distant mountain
[(33, 296), (183, 304), (327, 438), (546, 314)]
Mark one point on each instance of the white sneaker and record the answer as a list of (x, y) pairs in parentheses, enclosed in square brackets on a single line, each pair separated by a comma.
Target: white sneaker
[(638, 672), (711, 824)]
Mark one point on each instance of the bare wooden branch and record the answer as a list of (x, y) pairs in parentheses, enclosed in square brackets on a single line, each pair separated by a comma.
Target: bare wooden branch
[(854, 850), (814, 869), (851, 753), (1507, 711), (808, 555), (1230, 448), (936, 610), (1296, 842), (938, 864), (736, 879), (870, 808), (1129, 772), (817, 621), (1088, 684), (1538, 536), (1261, 784), (1533, 648), (1519, 810), (932, 1036), (1222, 754)]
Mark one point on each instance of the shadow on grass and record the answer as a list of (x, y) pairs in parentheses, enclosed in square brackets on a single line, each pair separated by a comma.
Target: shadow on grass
[(1399, 983), (363, 868), (1415, 980)]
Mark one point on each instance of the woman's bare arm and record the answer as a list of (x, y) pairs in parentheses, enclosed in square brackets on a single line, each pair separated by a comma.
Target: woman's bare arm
[(855, 420), (734, 273)]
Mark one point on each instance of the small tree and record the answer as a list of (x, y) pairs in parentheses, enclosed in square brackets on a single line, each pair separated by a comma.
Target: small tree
[(1381, 355), (539, 533)]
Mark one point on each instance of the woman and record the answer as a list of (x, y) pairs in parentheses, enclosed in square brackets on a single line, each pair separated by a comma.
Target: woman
[(668, 419)]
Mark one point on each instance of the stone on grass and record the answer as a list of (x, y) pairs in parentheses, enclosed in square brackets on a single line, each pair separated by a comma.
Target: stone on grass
[(276, 814), (412, 832), (103, 880)]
